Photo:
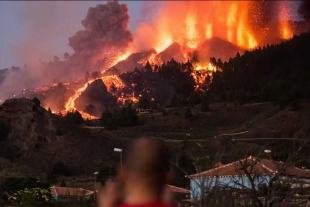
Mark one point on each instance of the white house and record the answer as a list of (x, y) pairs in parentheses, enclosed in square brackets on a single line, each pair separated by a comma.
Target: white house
[(237, 175)]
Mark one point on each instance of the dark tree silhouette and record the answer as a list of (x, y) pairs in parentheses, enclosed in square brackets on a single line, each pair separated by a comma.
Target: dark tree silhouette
[(91, 109), (144, 102), (4, 130), (63, 183), (74, 118), (36, 101), (108, 121), (87, 76)]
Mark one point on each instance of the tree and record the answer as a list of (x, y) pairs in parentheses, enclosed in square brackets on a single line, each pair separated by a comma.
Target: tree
[(87, 76), (154, 104), (90, 109), (56, 59), (127, 117), (144, 102), (108, 120), (49, 110), (105, 172), (188, 113), (195, 98), (36, 101), (195, 58), (74, 117), (148, 67), (66, 55), (60, 169), (34, 197), (205, 102), (13, 184), (174, 101), (113, 88), (95, 75), (63, 183), (4, 130)]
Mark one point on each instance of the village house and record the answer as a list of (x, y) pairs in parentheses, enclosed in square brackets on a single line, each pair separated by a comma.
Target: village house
[(237, 175), (66, 194), (175, 194)]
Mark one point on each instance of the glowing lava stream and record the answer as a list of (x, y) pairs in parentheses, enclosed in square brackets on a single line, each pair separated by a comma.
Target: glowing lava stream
[(108, 80)]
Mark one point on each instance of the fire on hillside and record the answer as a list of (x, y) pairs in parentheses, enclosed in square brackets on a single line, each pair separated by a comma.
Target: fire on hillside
[(180, 30)]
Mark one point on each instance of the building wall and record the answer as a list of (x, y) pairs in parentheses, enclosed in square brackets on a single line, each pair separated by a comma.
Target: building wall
[(66, 198), (207, 184)]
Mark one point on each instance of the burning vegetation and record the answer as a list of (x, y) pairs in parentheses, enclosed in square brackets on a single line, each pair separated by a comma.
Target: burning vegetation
[(177, 70)]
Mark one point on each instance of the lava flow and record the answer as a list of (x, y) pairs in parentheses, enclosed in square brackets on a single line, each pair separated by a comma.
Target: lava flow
[(108, 81)]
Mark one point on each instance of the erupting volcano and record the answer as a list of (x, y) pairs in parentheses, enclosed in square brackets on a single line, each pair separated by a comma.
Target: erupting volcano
[(180, 30)]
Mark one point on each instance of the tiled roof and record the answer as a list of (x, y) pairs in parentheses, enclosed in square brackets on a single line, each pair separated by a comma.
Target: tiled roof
[(64, 191), (253, 166), (175, 189)]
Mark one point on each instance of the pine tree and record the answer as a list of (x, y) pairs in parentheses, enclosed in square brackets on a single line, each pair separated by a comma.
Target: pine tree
[(63, 183), (205, 102), (36, 101)]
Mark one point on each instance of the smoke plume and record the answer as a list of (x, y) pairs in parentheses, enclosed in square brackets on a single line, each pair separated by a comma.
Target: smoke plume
[(103, 38), (105, 34)]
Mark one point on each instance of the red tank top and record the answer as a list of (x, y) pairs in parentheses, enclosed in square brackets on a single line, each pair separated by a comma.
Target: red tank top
[(155, 204)]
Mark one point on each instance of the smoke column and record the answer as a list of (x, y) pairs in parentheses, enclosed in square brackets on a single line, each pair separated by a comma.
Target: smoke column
[(105, 35)]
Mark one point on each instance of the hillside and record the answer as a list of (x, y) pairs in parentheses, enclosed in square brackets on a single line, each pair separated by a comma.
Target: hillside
[(39, 139), (49, 139), (277, 73), (218, 48)]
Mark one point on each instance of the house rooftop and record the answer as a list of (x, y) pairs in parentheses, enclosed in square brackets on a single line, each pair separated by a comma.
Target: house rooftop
[(64, 191), (175, 189), (253, 165)]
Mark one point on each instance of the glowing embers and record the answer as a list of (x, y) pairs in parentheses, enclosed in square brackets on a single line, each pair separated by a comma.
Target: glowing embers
[(201, 72), (284, 15)]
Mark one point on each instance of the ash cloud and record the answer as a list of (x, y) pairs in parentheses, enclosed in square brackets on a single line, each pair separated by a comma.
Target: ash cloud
[(104, 36), (105, 32)]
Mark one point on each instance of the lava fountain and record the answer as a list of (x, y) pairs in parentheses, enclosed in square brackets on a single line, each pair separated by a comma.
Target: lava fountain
[(192, 22)]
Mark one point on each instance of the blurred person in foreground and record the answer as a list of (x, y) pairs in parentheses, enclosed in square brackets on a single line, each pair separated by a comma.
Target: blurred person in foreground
[(142, 181)]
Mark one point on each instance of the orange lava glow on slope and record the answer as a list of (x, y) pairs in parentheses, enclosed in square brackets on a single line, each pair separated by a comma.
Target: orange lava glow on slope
[(108, 81)]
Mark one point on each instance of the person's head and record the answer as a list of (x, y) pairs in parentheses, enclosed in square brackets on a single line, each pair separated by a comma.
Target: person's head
[(147, 164)]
